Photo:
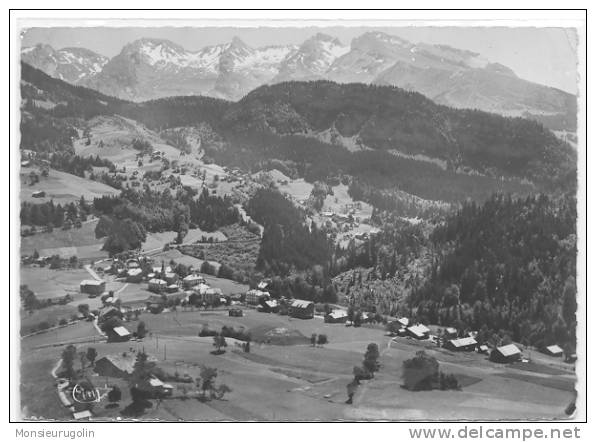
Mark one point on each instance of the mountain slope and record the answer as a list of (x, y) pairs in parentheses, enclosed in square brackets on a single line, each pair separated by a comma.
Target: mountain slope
[(151, 68), (406, 123), (74, 65), (311, 60)]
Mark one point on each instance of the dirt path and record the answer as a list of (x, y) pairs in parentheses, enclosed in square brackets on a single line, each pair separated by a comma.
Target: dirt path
[(92, 272)]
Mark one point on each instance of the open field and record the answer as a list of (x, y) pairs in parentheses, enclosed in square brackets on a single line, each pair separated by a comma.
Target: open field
[(62, 187), (66, 243), (310, 382)]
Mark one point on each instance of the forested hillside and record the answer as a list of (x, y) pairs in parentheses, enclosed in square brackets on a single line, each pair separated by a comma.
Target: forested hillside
[(288, 243), (510, 264)]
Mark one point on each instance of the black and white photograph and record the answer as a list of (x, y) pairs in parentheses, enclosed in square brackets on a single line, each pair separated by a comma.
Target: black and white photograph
[(297, 221)]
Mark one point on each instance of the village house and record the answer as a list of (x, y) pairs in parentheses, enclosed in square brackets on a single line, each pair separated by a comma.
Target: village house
[(192, 281), (302, 309), (506, 354), (38, 194), (418, 331), (93, 287)]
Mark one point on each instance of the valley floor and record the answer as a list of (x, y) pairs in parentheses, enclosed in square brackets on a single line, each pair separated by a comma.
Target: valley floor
[(300, 382)]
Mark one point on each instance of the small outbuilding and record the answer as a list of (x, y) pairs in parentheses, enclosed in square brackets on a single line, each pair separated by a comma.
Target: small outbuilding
[(553, 350), (450, 333)]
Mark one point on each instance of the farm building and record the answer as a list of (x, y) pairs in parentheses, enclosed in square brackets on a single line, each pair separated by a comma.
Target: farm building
[(38, 194), (192, 281), (93, 287), (418, 331), (134, 275), (483, 349), (115, 366), (302, 309), (336, 317), (157, 285), (553, 350), (253, 296), (505, 354), (118, 334), (461, 344)]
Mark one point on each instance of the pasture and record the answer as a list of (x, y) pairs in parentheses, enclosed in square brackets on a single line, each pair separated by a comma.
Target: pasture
[(310, 382)]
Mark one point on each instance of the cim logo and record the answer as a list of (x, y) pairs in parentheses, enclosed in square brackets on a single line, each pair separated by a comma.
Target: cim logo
[(85, 393)]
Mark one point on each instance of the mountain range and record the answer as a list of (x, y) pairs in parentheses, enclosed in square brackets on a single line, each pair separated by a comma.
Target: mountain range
[(148, 69)]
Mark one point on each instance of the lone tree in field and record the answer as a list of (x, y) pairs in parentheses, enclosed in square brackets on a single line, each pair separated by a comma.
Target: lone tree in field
[(322, 340), (219, 342), (115, 394), (141, 330), (68, 357), (371, 358), (91, 355)]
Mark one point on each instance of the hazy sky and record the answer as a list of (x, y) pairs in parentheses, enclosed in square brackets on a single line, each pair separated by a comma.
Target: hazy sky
[(542, 55)]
